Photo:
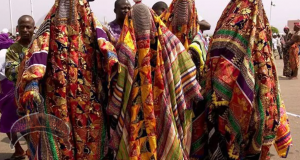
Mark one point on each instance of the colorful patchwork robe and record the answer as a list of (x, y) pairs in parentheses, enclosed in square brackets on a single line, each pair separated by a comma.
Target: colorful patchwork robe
[(156, 85), (65, 74)]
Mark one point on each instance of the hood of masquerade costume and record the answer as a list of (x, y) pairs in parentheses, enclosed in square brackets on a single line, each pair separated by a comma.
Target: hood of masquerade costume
[(156, 81), (5, 41), (242, 83), (182, 19)]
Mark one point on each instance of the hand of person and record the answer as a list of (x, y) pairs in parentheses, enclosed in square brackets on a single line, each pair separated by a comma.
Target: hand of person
[(31, 102)]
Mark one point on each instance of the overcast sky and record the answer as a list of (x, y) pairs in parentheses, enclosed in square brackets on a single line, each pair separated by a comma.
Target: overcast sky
[(209, 9)]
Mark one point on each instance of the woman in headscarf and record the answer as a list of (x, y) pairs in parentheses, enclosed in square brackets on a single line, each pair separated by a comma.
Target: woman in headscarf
[(293, 51), (69, 64), (245, 111), (284, 40), (156, 86)]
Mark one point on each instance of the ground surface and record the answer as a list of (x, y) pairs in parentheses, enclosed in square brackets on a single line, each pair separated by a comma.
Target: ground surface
[(291, 96)]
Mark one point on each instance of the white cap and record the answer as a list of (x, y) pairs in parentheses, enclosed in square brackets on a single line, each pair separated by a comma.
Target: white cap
[(5, 30)]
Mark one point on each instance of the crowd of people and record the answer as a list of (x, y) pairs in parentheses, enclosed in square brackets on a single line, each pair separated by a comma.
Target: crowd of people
[(149, 86), (291, 50), (285, 47)]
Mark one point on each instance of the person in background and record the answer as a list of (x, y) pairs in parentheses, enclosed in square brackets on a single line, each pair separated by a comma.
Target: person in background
[(274, 45), (115, 27), (4, 31), (5, 41), (285, 38), (160, 7), (279, 49), (17, 51), (8, 106), (293, 45)]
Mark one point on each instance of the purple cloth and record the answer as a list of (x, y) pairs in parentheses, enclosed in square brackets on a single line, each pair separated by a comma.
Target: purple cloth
[(5, 41), (115, 29), (8, 106), (38, 58)]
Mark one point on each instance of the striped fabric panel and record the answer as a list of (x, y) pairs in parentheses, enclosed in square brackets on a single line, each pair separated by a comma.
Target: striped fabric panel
[(237, 39), (196, 49), (118, 103), (201, 37), (200, 46), (181, 87), (283, 140), (186, 86)]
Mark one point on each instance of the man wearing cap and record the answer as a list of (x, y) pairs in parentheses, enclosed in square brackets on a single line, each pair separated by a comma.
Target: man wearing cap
[(121, 9)]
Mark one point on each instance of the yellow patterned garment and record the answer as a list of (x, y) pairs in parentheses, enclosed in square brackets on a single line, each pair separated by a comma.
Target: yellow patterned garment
[(283, 139), (14, 57)]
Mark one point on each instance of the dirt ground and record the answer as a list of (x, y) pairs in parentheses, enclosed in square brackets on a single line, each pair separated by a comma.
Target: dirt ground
[(291, 96)]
